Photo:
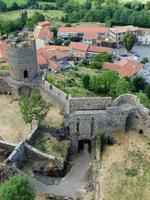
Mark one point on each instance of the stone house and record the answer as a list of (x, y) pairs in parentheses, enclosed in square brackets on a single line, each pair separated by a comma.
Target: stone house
[(66, 32), (117, 33), (43, 34), (144, 36)]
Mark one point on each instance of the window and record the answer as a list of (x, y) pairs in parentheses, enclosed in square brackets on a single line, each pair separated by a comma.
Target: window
[(25, 74), (78, 124), (92, 126)]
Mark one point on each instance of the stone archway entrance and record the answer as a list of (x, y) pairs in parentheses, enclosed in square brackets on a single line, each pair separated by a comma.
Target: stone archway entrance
[(131, 121), (83, 144), (24, 91)]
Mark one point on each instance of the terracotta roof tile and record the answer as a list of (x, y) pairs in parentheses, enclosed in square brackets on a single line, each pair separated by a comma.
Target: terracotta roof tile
[(125, 67), (98, 49), (122, 29), (54, 64), (92, 36), (79, 46), (84, 29), (3, 49)]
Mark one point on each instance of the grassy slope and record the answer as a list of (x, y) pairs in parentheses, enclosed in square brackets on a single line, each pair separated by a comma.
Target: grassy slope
[(19, 2), (125, 171), (11, 15)]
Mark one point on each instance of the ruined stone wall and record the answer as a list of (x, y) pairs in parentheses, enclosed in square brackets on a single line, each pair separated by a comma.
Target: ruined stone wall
[(100, 103), (32, 135), (18, 154), (89, 124), (4, 87), (6, 145), (53, 95)]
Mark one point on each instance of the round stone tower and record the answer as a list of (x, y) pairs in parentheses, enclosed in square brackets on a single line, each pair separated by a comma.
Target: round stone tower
[(23, 65)]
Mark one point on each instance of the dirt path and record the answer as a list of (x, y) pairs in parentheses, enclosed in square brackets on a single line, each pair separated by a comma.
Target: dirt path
[(125, 171), (71, 184)]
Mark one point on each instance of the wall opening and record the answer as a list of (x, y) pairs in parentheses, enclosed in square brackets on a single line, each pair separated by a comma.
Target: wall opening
[(25, 74), (131, 121), (78, 127), (83, 144), (92, 126), (24, 91)]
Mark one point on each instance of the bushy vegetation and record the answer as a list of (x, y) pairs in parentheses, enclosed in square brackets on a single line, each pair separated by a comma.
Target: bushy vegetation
[(18, 24), (17, 187), (109, 12)]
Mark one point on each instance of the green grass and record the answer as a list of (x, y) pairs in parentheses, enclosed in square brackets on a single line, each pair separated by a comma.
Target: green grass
[(70, 82), (128, 174), (143, 1), (4, 68), (50, 14), (19, 2)]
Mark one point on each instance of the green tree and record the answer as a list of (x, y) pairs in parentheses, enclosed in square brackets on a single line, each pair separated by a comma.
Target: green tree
[(144, 60), (129, 41), (86, 81), (17, 188), (32, 107), (144, 99), (104, 82), (122, 86), (138, 83), (147, 90), (99, 59), (3, 6)]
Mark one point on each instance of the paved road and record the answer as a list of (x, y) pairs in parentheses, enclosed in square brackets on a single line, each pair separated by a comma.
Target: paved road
[(71, 183)]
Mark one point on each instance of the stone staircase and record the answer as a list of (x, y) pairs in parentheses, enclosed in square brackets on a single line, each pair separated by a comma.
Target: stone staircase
[(141, 114)]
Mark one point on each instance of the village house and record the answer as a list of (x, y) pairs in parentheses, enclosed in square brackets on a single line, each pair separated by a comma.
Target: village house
[(67, 32), (117, 33), (83, 51), (94, 39), (43, 34), (125, 67), (144, 36), (54, 58)]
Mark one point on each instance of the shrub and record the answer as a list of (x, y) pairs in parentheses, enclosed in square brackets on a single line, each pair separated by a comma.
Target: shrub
[(17, 187)]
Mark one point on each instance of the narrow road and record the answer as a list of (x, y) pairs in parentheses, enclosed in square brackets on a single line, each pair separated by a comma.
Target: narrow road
[(72, 182)]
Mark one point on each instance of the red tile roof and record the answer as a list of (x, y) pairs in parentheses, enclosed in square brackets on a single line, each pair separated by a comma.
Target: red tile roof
[(125, 67), (3, 49), (78, 54), (57, 47), (41, 59), (79, 46), (44, 23), (84, 29), (42, 31), (54, 64), (97, 49), (92, 36)]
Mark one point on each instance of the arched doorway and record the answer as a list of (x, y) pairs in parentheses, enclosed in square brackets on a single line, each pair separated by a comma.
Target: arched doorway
[(83, 143), (131, 121), (24, 91)]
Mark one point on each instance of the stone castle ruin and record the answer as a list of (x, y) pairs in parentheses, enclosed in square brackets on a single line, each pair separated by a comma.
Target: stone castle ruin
[(85, 117)]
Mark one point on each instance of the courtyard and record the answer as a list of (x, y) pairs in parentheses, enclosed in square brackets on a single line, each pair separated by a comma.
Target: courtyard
[(12, 126), (125, 172)]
